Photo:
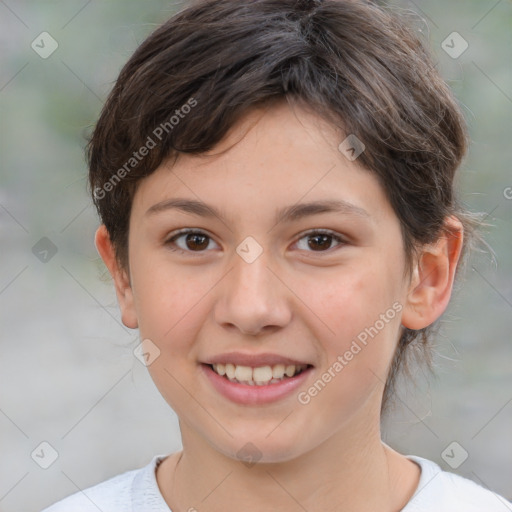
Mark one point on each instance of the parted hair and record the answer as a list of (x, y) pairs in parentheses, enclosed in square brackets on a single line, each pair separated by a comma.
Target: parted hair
[(359, 65)]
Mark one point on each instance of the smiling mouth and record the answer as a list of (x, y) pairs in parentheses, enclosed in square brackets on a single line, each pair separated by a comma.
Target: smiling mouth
[(257, 376)]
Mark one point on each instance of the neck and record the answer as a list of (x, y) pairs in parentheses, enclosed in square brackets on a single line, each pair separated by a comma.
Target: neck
[(348, 471)]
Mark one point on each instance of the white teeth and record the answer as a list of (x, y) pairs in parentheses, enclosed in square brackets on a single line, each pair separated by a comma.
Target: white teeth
[(260, 376), (290, 370), (278, 371), (243, 373), (230, 370)]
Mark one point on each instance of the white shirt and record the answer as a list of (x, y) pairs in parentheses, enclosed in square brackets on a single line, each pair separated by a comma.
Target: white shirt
[(137, 491)]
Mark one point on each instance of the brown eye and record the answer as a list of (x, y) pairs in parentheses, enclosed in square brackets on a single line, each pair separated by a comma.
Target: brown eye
[(191, 241), (320, 241), (196, 241)]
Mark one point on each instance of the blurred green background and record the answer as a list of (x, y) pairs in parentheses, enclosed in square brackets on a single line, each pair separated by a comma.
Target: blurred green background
[(67, 372)]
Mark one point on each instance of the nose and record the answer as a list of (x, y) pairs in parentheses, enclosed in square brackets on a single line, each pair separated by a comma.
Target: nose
[(252, 298)]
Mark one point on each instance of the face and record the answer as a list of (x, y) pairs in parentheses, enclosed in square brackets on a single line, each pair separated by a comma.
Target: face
[(263, 281)]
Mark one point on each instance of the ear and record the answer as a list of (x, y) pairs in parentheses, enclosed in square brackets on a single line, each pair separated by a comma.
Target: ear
[(121, 278), (432, 277)]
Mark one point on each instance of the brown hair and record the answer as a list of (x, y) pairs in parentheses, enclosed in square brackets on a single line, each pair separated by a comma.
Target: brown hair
[(354, 63)]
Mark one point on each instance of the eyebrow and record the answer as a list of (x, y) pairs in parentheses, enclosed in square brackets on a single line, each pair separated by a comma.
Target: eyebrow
[(288, 214)]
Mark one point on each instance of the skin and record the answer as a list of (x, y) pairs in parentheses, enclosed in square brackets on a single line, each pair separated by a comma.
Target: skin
[(299, 298)]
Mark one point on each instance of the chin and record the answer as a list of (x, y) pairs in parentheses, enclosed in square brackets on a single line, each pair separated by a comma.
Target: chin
[(251, 449)]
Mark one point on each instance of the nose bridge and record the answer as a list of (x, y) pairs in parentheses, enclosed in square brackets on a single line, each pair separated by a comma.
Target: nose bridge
[(252, 297), (251, 273), (252, 276)]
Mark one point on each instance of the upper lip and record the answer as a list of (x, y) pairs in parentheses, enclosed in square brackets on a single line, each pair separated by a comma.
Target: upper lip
[(253, 360)]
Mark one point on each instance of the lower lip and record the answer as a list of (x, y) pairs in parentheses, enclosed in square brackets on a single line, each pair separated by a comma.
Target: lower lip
[(254, 395)]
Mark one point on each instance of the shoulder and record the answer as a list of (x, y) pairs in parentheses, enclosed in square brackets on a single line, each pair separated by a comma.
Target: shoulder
[(112, 494), (442, 491), (117, 494)]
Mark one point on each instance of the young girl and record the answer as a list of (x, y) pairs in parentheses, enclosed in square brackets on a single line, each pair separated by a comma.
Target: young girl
[(275, 185)]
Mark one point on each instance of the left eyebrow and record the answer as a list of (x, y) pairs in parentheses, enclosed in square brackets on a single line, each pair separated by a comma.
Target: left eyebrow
[(288, 214)]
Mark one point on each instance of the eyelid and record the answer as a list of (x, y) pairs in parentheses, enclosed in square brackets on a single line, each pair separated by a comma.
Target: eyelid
[(321, 231)]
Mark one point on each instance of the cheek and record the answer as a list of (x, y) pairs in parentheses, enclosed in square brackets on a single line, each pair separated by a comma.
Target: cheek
[(168, 302), (352, 300), (171, 308), (361, 309)]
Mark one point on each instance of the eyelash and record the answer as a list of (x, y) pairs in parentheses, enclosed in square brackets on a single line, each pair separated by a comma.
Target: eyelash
[(170, 242)]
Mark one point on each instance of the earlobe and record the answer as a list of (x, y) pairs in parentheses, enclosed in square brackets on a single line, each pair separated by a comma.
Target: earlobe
[(432, 278), (120, 277)]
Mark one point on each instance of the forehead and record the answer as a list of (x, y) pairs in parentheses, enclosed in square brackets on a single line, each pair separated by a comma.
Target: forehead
[(275, 155)]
